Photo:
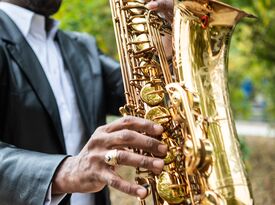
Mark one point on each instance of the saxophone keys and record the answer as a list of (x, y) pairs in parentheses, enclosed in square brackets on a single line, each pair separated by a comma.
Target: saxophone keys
[(150, 69), (172, 155), (142, 43), (169, 158), (138, 24), (207, 159), (203, 158), (212, 198), (152, 95), (192, 160), (136, 7), (159, 115), (171, 187), (146, 183)]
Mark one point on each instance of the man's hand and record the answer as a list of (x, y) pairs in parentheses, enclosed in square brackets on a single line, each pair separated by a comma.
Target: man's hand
[(163, 6), (166, 8), (88, 172)]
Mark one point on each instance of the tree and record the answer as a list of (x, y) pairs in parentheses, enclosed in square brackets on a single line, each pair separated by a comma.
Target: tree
[(252, 53), (93, 17)]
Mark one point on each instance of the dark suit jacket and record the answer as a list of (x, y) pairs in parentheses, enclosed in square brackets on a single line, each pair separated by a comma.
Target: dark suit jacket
[(31, 138)]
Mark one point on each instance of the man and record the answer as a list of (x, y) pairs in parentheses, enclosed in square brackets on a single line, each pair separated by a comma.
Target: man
[(55, 90)]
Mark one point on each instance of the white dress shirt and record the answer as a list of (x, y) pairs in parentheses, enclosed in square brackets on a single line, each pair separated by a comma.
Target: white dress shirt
[(48, 53)]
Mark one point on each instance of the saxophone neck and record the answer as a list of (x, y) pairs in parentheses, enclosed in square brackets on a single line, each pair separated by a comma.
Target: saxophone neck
[(216, 12)]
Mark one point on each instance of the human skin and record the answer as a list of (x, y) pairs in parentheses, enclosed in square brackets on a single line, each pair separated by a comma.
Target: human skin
[(43, 7), (163, 6), (88, 172)]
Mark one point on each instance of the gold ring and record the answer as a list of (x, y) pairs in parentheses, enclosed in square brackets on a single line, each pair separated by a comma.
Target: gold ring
[(111, 157)]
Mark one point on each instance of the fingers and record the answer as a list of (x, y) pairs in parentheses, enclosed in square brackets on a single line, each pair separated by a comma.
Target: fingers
[(136, 160), (165, 4), (160, 5), (129, 138), (136, 124), (120, 184), (152, 5), (164, 7), (125, 133)]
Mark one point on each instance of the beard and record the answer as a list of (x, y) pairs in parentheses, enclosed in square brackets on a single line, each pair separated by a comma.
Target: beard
[(43, 7)]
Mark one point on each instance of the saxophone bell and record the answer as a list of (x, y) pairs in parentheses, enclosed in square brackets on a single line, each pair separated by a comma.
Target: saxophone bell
[(203, 164)]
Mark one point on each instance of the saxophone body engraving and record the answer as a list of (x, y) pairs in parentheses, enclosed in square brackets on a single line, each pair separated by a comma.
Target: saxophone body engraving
[(190, 100)]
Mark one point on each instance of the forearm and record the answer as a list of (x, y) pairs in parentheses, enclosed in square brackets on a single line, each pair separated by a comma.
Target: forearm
[(63, 181), (25, 175)]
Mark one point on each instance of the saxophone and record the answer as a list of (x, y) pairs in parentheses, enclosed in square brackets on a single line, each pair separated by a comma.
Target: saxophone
[(189, 99)]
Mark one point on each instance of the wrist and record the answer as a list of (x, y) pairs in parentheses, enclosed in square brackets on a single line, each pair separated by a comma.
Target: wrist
[(63, 179)]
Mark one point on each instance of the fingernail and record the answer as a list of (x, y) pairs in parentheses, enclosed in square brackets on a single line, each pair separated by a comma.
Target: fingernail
[(142, 192), (162, 148), (158, 128), (158, 164)]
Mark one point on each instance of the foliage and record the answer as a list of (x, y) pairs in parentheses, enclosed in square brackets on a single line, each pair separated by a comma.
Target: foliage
[(252, 53), (93, 17), (245, 149)]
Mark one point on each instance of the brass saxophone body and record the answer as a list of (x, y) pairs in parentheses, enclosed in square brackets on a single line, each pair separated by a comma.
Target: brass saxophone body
[(190, 100)]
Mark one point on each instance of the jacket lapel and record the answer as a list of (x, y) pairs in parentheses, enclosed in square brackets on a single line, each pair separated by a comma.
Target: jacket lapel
[(24, 56), (77, 62)]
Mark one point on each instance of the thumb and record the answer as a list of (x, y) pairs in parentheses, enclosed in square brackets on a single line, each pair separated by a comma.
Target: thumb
[(164, 5), (153, 5)]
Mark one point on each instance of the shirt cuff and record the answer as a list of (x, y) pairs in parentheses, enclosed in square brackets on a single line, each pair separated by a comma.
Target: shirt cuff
[(53, 199)]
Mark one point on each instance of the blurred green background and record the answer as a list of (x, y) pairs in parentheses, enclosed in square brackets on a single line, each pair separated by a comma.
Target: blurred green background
[(252, 53)]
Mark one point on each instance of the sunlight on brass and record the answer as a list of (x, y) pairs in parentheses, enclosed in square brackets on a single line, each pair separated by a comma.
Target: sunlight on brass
[(190, 100), (152, 95), (158, 115), (138, 24), (142, 42), (211, 198), (170, 188)]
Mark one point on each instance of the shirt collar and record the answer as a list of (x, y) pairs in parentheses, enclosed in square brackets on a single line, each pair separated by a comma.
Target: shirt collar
[(27, 21)]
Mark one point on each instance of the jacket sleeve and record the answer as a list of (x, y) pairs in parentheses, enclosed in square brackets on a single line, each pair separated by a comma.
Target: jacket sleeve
[(3, 87), (25, 176), (113, 84), (110, 69)]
